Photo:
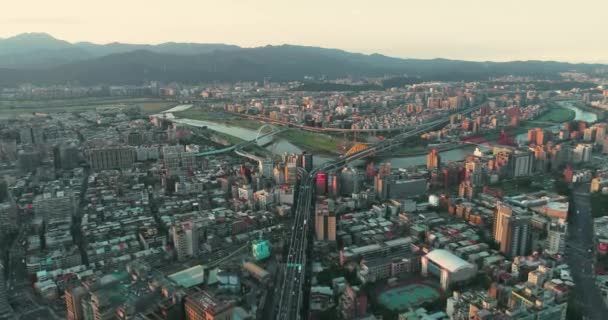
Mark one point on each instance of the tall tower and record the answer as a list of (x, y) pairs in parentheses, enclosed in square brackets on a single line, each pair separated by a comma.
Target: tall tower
[(433, 159), (325, 225), (512, 231)]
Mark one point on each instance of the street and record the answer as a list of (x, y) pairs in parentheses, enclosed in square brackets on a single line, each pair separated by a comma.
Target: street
[(581, 259)]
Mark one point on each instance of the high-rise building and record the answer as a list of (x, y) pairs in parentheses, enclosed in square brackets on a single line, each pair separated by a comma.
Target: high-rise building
[(266, 167), (521, 163), (582, 153), (111, 157), (466, 189), (512, 230), (556, 236), (185, 239), (306, 161), (65, 156), (349, 181), (589, 134), (291, 173), (202, 305), (540, 159), (325, 225), (600, 132), (321, 183), (537, 136), (433, 159), (279, 174), (333, 184), (456, 102), (381, 186)]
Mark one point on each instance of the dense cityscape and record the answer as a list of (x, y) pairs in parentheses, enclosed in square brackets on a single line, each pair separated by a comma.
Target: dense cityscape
[(263, 200), (303, 160)]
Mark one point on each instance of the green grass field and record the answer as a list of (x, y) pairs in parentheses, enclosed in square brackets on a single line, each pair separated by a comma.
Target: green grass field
[(557, 114), (149, 106), (312, 142), (409, 296)]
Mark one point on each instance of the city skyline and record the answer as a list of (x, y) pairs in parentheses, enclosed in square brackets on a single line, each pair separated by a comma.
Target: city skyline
[(468, 30)]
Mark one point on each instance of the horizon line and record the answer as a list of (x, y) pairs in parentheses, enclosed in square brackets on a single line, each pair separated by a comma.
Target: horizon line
[(588, 62)]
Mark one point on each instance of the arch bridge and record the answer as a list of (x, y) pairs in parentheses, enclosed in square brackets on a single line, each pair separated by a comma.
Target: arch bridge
[(259, 135)]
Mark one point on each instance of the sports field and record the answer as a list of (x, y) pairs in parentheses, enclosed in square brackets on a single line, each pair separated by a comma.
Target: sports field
[(407, 296)]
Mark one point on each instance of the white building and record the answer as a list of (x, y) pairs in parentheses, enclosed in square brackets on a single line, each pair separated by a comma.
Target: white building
[(448, 267), (185, 239)]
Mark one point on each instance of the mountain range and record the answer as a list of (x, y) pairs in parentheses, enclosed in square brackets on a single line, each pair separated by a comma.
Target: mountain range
[(42, 59)]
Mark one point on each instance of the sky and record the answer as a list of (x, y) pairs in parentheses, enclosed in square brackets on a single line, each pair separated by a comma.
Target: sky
[(493, 30)]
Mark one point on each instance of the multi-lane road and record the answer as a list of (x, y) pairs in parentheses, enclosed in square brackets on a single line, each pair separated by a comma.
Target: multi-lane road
[(580, 256)]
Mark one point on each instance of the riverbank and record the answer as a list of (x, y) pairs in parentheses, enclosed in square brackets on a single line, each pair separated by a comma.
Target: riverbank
[(316, 143), (600, 113), (557, 114)]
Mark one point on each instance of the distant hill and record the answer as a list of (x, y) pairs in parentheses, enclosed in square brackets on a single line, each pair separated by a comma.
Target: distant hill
[(40, 50), (42, 59)]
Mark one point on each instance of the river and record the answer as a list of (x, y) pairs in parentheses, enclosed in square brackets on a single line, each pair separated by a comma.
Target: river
[(579, 114), (281, 145)]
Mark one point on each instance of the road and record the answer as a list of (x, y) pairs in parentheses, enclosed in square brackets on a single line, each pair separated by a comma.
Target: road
[(581, 259), (294, 285), (290, 288)]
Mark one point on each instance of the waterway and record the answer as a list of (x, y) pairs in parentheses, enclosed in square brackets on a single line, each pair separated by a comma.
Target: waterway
[(579, 114), (281, 146)]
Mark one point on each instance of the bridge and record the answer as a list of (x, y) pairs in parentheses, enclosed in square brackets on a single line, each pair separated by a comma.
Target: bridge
[(238, 148), (294, 277), (358, 147)]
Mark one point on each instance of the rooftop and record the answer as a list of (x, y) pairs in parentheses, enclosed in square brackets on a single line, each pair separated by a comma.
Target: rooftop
[(448, 260), (189, 277)]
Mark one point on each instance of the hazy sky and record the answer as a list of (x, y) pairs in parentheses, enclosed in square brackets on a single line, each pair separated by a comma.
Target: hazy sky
[(568, 30)]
